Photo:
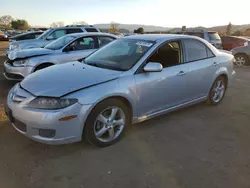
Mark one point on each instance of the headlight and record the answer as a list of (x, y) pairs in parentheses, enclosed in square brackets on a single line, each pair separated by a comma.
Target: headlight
[(14, 46), (51, 103), (246, 43), (21, 63)]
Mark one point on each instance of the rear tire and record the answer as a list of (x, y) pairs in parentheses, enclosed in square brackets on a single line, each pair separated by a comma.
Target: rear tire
[(103, 129), (217, 91)]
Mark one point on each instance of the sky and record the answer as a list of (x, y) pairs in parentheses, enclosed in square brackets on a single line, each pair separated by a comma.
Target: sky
[(166, 13)]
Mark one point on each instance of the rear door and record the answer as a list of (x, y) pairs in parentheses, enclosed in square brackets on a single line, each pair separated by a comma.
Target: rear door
[(201, 65)]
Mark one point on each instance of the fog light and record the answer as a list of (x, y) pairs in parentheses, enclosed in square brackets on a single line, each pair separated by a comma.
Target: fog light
[(48, 133)]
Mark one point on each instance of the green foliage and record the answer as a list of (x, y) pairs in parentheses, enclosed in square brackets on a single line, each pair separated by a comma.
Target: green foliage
[(184, 28), (20, 24), (229, 29), (140, 30)]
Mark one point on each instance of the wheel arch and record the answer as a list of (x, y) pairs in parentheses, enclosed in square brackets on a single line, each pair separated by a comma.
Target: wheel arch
[(43, 63)]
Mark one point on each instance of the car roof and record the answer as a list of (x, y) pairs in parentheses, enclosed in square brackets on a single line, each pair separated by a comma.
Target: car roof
[(91, 34), (74, 27), (159, 37)]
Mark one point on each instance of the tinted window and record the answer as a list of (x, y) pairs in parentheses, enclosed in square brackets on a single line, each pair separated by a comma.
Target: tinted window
[(37, 35), (201, 35), (91, 30), (104, 40), (76, 30), (27, 36), (213, 36), (195, 50), (83, 44)]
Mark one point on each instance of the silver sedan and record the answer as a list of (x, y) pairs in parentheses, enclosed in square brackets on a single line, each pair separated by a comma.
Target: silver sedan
[(130, 80), (70, 47)]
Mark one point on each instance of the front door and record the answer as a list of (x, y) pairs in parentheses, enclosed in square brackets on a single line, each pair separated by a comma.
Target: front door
[(157, 91)]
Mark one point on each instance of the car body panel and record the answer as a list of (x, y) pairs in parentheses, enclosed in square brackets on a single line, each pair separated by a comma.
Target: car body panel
[(28, 53), (241, 50), (74, 72), (149, 94)]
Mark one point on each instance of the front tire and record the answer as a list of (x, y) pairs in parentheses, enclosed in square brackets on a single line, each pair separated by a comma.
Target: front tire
[(218, 90), (241, 60), (107, 122)]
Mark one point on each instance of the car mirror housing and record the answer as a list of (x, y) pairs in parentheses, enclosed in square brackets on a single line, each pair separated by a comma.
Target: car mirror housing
[(153, 67)]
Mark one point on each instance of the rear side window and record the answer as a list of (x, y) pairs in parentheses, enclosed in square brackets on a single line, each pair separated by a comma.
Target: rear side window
[(213, 36), (91, 30), (196, 50), (102, 40), (76, 30)]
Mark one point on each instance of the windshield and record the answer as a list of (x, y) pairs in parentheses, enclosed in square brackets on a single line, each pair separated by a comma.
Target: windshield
[(121, 54), (59, 43), (44, 35), (213, 36)]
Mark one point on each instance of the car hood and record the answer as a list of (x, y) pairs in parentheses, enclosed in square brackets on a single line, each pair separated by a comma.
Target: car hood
[(59, 80), (225, 51), (31, 43), (25, 53)]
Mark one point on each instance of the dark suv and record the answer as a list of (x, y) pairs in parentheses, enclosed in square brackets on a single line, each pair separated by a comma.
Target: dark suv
[(210, 36)]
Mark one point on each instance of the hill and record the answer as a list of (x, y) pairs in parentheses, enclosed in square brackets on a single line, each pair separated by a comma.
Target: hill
[(151, 28), (132, 27)]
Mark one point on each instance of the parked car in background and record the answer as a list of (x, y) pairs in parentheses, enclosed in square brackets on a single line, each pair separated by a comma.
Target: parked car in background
[(130, 80), (50, 35), (242, 55), (26, 36), (70, 47), (210, 36), (3, 36), (230, 42)]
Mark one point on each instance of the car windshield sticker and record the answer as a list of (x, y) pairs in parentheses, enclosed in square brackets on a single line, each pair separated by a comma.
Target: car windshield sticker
[(141, 43)]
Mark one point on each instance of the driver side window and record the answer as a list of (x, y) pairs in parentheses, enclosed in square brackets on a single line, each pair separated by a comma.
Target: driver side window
[(85, 43), (57, 34), (169, 54)]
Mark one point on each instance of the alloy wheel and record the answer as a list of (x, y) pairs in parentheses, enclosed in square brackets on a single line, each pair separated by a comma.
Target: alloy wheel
[(218, 90), (240, 61), (109, 124)]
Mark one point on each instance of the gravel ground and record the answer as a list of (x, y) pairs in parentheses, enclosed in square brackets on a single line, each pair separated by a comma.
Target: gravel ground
[(197, 147)]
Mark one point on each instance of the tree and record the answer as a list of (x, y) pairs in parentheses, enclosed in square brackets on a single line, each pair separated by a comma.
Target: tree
[(20, 24), (57, 24), (5, 21), (238, 33), (140, 30), (229, 29), (184, 28), (114, 27)]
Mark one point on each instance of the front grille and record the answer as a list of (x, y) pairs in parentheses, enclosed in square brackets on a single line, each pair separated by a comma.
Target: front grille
[(20, 125), (13, 76)]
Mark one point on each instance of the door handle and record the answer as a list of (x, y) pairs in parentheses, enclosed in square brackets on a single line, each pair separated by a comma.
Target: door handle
[(215, 64), (181, 73)]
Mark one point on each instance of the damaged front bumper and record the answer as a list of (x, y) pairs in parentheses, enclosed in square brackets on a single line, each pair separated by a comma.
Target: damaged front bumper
[(16, 73)]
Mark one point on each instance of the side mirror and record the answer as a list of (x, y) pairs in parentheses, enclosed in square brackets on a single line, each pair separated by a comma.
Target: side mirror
[(153, 67)]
